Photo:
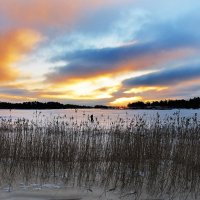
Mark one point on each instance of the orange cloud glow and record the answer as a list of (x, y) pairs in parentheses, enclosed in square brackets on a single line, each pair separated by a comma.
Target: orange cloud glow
[(145, 89), (15, 98), (94, 88), (13, 45)]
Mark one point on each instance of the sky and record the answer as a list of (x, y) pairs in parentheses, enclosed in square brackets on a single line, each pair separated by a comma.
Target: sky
[(89, 52)]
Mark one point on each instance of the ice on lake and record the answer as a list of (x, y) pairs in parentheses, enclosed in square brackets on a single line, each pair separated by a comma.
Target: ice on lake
[(102, 116)]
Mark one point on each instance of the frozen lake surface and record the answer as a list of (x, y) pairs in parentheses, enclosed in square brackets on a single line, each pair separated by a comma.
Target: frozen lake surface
[(102, 116)]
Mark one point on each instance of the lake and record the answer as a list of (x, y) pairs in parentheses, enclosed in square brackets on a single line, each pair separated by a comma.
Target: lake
[(102, 116)]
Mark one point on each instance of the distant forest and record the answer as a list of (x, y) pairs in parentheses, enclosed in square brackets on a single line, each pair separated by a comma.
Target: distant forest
[(163, 104), (47, 105), (167, 104), (39, 105)]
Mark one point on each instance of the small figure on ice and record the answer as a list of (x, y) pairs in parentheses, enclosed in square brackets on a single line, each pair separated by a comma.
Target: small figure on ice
[(91, 118)]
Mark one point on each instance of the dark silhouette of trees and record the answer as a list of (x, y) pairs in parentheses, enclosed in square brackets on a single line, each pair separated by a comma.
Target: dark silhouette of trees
[(163, 104), (39, 105), (103, 107), (167, 104)]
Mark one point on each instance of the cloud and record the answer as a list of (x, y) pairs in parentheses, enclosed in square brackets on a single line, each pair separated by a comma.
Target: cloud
[(16, 92), (13, 45), (101, 88), (143, 89), (166, 76), (94, 39), (16, 98), (48, 12), (155, 44), (13, 91), (155, 47), (114, 61), (181, 91)]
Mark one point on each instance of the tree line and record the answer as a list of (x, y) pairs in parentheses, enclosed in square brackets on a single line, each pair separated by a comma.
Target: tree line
[(47, 105), (162, 104), (39, 105), (167, 104)]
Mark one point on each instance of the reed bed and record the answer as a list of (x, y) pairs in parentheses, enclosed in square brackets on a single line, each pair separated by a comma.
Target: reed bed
[(160, 158)]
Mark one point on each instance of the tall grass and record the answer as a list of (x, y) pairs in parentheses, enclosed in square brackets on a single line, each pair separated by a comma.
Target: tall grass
[(158, 157)]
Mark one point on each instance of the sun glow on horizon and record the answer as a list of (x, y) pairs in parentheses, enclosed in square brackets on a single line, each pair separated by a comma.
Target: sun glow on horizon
[(123, 101)]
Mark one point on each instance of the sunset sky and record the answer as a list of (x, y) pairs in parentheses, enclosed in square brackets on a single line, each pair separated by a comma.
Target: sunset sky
[(90, 52)]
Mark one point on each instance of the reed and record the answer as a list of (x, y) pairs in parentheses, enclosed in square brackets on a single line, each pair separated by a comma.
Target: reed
[(156, 157)]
